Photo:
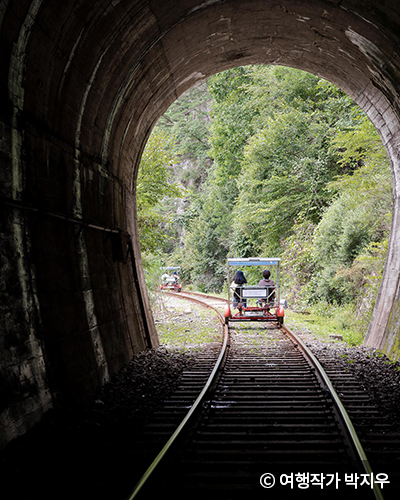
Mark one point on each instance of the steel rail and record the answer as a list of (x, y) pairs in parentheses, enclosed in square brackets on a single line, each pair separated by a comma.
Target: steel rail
[(351, 432), (346, 420), (360, 453), (193, 408)]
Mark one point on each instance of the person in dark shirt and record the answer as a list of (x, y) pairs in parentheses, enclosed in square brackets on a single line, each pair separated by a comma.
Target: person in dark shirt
[(239, 280), (269, 283)]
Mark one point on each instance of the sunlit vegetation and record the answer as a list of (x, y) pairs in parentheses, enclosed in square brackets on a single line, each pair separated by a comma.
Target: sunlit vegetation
[(270, 161)]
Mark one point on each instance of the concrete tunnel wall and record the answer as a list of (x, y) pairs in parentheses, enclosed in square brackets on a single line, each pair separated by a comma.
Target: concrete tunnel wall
[(82, 83)]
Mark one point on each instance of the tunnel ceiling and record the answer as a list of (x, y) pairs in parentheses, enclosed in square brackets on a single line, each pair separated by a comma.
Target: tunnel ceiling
[(100, 73), (82, 84)]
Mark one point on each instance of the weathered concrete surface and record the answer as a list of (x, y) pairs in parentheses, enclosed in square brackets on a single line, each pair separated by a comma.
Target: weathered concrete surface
[(81, 84)]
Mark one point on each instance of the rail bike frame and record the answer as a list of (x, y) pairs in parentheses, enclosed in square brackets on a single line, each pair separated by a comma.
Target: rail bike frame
[(256, 303)]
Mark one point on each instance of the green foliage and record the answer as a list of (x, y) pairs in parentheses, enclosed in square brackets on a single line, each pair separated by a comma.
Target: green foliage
[(359, 143), (325, 319), (232, 117), (207, 242), (365, 276), (288, 161), (278, 162), (298, 263), (152, 264), (188, 121), (153, 186), (209, 232), (358, 218)]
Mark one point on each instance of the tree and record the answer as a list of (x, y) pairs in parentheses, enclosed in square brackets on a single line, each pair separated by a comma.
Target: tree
[(188, 121), (232, 121), (298, 264), (360, 214), (209, 234), (153, 186), (290, 167), (287, 162)]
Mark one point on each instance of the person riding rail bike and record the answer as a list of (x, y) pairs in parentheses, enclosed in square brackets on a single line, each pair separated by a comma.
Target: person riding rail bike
[(238, 281)]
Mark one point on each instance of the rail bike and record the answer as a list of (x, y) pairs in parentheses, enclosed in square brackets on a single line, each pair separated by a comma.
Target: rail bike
[(259, 302), (170, 281)]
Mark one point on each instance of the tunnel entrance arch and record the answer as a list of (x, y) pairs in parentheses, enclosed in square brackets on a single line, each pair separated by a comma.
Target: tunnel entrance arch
[(82, 85)]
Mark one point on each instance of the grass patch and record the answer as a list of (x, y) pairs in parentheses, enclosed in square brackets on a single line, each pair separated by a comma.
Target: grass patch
[(324, 320), (187, 326)]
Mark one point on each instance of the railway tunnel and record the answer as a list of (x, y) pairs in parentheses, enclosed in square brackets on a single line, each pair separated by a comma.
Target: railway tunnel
[(82, 83)]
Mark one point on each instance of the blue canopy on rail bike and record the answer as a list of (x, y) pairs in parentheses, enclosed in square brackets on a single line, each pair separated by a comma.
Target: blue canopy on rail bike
[(258, 302)]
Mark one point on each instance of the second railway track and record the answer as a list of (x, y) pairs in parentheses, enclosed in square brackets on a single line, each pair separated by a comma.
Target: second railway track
[(267, 415)]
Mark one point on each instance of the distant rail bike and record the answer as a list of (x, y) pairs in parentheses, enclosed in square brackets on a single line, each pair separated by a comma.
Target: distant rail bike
[(257, 413), (170, 281)]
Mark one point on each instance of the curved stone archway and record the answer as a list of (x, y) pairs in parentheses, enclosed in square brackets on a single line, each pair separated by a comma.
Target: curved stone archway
[(82, 84)]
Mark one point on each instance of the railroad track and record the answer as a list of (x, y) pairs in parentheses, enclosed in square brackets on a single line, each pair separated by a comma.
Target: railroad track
[(258, 411)]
